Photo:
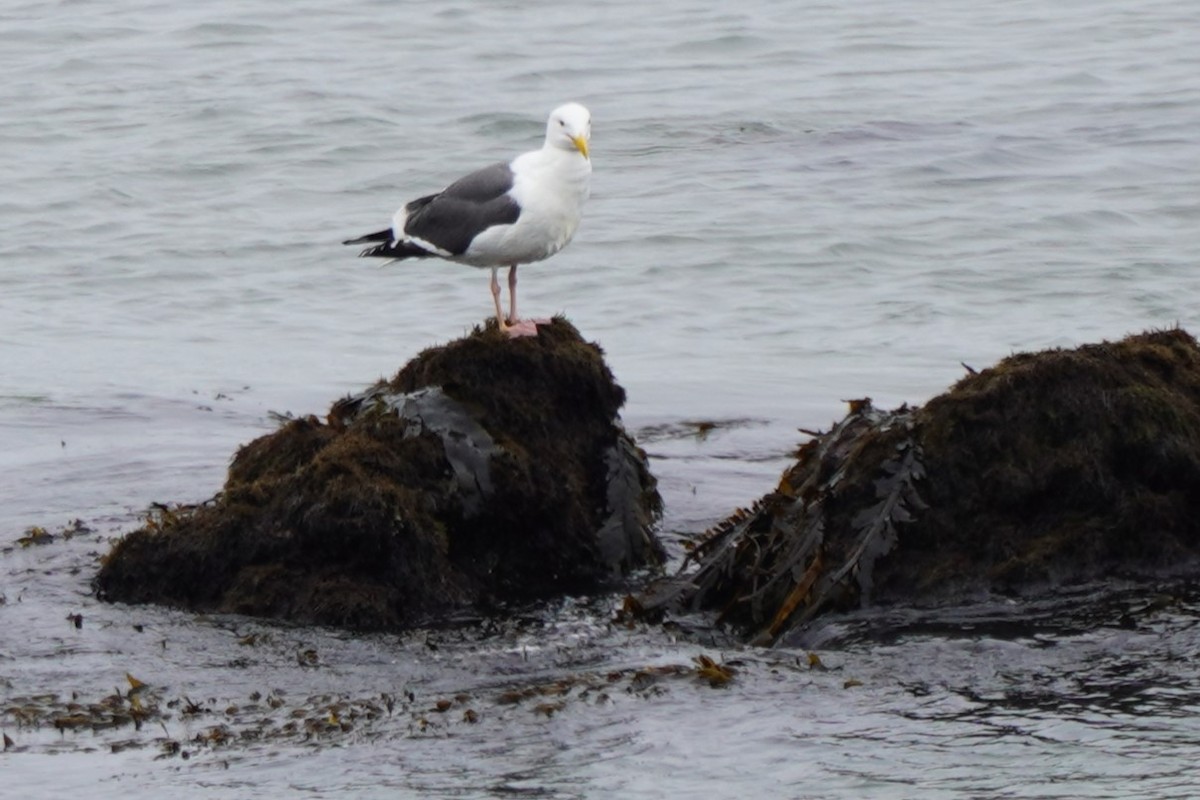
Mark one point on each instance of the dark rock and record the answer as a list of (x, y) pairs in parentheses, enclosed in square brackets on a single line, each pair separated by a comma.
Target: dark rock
[(1056, 467), (488, 471)]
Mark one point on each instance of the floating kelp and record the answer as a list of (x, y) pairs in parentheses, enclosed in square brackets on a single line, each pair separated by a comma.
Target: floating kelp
[(166, 720), (488, 471), (1053, 467)]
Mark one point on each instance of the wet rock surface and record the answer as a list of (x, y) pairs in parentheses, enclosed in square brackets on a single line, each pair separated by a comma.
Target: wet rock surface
[(489, 471), (1050, 468)]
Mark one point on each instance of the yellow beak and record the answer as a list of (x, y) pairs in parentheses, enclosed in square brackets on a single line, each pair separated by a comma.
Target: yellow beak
[(581, 145)]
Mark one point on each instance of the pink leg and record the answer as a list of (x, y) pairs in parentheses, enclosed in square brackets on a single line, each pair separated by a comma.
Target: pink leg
[(516, 326), (496, 300), (512, 294)]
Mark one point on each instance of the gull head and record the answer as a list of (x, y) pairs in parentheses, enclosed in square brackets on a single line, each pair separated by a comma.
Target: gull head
[(570, 128)]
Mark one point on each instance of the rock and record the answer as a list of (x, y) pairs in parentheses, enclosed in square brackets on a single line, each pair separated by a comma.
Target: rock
[(489, 471), (1049, 468)]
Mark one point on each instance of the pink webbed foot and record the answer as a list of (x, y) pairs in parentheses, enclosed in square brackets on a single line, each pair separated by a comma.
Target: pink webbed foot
[(522, 327)]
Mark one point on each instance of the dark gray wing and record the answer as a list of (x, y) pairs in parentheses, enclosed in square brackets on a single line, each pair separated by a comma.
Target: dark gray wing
[(464, 209)]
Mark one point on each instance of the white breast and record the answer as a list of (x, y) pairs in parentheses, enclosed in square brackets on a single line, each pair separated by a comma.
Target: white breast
[(551, 186)]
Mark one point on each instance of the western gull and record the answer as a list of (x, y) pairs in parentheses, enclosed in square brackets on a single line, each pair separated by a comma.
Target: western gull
[(506, 214)]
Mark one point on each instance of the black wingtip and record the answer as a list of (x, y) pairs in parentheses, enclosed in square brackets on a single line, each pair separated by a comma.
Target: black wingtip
[(378, 236), (397, 250)]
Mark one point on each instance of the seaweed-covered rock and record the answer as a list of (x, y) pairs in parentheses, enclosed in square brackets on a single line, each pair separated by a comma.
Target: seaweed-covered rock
[(488, 471), (1051, 467)]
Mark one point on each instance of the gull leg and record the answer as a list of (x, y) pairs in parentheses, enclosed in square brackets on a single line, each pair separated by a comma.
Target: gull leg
[(512, 294), (496, 299), (516, 326)]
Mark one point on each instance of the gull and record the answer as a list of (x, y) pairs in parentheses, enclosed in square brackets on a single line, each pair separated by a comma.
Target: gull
[(506, 214)]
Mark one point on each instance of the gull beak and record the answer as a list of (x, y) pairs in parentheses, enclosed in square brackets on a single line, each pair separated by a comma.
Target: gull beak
[(581, 145)]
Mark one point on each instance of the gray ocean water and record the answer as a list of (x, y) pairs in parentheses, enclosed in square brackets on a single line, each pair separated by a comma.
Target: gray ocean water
[(794, 204)]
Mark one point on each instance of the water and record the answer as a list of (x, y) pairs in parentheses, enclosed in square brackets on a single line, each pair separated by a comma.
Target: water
[(793, 205)]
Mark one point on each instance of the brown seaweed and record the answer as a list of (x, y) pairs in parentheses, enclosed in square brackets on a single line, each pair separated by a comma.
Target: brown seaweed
[(1051, 467), (770, 567), (488, 471)]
